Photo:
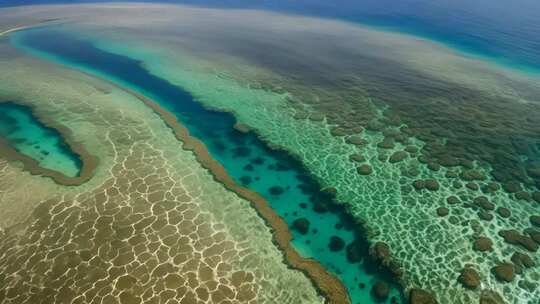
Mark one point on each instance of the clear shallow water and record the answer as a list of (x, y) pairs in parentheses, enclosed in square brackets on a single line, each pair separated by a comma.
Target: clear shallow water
[(507, 32), (24, 132), (274, 174)]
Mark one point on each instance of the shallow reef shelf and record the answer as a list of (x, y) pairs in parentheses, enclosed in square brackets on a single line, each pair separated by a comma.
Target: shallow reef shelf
[(321, 230), (43, 147)]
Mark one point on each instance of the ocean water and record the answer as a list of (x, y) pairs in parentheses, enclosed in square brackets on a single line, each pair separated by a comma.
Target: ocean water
[(281, 179), (506, 32), (24, 132)]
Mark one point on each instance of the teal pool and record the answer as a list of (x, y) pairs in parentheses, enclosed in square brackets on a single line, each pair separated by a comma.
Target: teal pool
[(24, 132)]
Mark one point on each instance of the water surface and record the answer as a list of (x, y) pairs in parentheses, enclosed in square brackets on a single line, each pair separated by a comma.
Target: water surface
[(331, 236)]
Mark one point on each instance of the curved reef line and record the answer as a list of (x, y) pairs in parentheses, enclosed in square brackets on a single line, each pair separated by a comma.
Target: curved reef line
[(88, 161), (326, 283)]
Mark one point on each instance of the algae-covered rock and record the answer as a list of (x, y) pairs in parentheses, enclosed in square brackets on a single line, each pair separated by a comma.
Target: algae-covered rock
[(336, 243), (301, 225), (356, 157), (504, 212), (397, 157), (420, 296), (504, 272), (535, 220), (534, 234), (471, 175), (536, 196), (364, 169), (452, 200), (355, 251), (521, 261), (380, 291), (432, 184), (483, 244), (469, 278), (484, 203), (515, 238), (419, 184), (490, 297), (442, 211)]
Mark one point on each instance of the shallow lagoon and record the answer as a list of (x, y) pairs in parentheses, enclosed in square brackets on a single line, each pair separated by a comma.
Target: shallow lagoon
[(23, 131), (282, 180)]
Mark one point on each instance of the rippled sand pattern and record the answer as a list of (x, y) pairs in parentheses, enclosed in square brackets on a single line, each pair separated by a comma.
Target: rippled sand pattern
[(151, 227)]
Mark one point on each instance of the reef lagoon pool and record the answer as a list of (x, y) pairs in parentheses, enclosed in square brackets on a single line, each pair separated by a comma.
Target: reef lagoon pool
[(321, 229), (21, 130)]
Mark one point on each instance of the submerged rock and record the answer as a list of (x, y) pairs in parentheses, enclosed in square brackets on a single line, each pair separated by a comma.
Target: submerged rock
[(355, 251), (420, 296), (432, 185), (490, 297), (521, 261), (419, 184), (434, 166), (452, 200), (245, 180), (471, 175), (534, 234), (472, 186), (387, 143), (301, 225), (442, 211), (512, 187), (504, 272), (336, 243), (484, 215), (536, 196), (411, 149), (397, 157), (515, 238), (364, 169), (356, 140), (523, 195), (469, 278), (483, 244), (276, 190), (356, 157), (380, 291), (483, 203), (504, 212), (535, 220)]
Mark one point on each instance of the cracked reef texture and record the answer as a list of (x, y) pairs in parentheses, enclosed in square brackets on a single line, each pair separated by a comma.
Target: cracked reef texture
[(436, 153), (149, 214)]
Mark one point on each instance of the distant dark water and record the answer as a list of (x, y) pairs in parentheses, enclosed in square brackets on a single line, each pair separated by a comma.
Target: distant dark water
[(504, 31)]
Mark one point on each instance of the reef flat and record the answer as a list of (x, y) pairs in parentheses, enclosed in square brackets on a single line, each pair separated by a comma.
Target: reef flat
[(434, 153), (149, 213)]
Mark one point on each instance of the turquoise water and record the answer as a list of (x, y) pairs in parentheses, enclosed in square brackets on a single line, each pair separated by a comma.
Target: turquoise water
[(281, 179), (24, 132)]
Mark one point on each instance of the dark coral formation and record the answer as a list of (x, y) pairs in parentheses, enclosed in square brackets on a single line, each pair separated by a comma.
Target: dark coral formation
[(380, 291), (483, 244), (420, 296), (336, 243), (301, 225), (364, 169), (504, 272), (469, 278)]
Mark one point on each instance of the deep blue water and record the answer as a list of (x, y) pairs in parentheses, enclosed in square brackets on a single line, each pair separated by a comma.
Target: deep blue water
[(507, 32), (277, 176)]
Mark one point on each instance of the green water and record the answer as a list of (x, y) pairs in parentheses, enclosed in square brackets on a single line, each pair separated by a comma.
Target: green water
[(24, 132)]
